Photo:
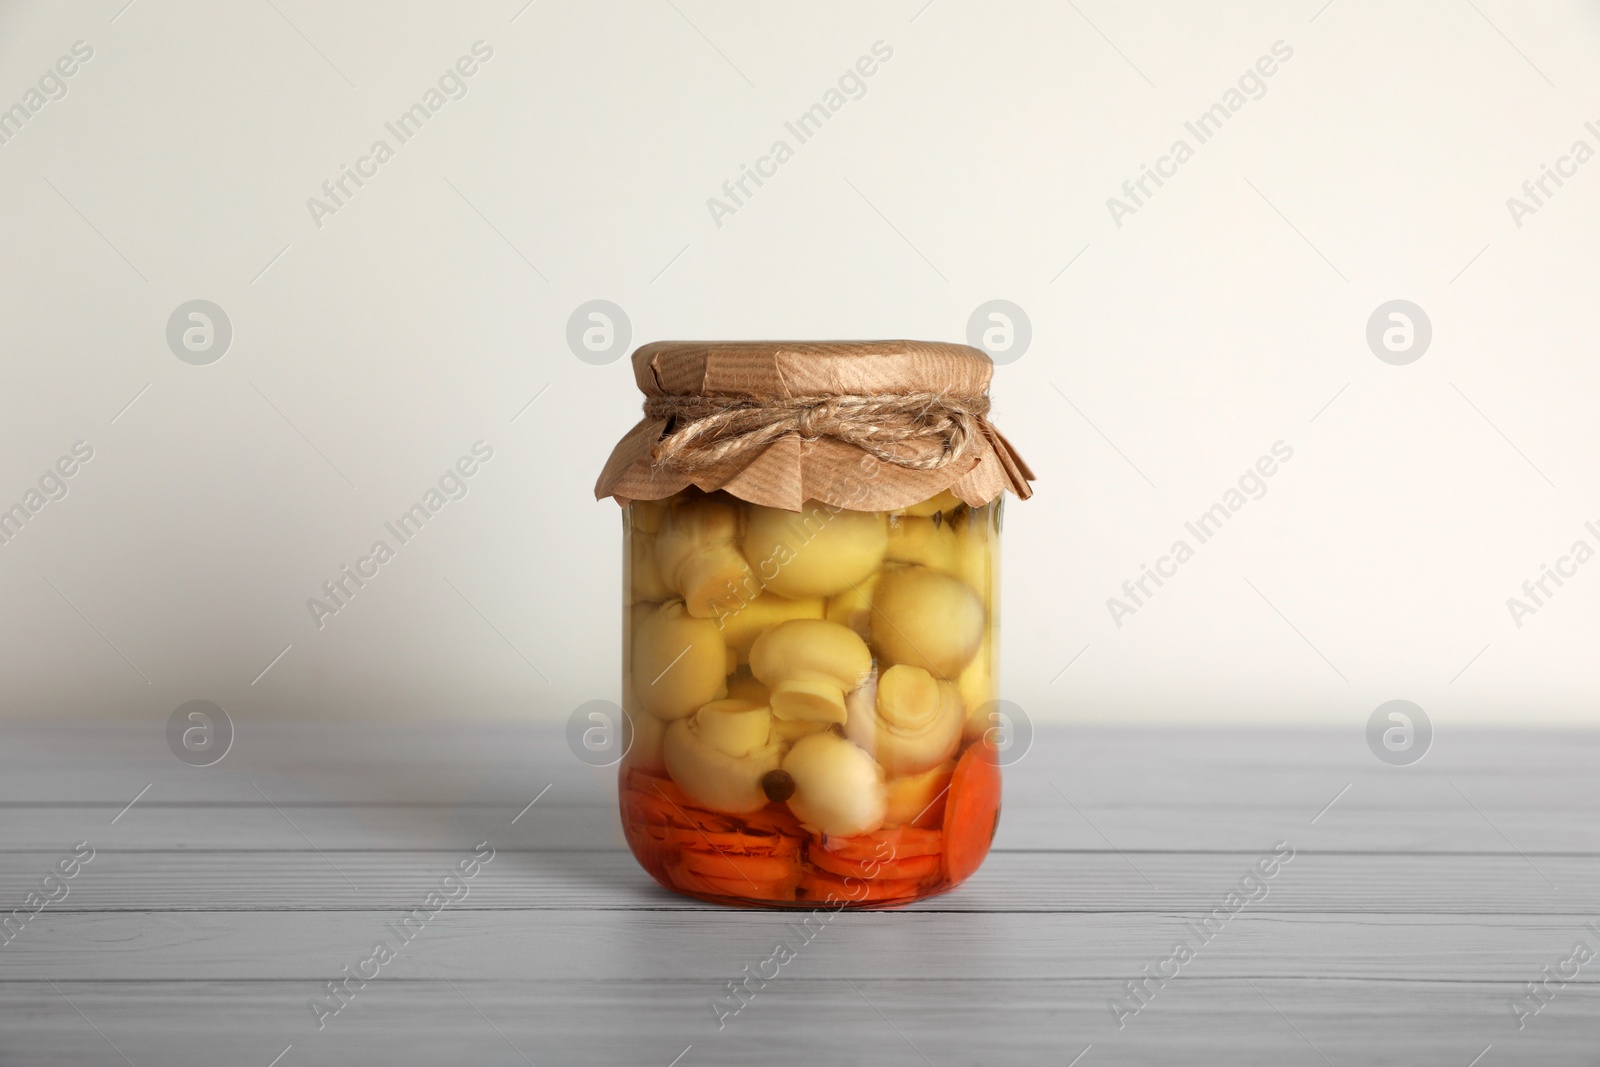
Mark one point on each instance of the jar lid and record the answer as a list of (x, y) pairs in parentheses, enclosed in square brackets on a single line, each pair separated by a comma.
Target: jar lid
[(865, 425)]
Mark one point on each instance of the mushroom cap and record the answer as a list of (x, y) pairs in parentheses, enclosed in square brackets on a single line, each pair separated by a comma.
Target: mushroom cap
[(713, 778), (692, 525), (734, 727), (811, 650), (795, 729), (698, 558), (927, 619), (912, 794), (677, 662), (926, 542), (743, 622), (819, 551), (838, 789)]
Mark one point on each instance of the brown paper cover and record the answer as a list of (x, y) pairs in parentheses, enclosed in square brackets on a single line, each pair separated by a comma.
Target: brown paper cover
[(792, 471)]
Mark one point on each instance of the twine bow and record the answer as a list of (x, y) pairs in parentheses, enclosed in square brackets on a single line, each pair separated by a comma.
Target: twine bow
[(918, 431)]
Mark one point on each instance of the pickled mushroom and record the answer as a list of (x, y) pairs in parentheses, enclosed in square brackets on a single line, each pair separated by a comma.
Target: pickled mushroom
[(698, 558), (734, 727), (817, 552), (928, 542), (720, 755), (677, 662), (911, 724), (911, 795), (838, 789), (926, 619), (809, 664), (795, 729), (743, 621)]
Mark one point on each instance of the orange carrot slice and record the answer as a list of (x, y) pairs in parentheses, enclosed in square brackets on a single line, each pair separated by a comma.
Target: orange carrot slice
[(730, 842), (738, 868), (738, 888), (972, 811), (775, 819), (664, 807), (881, 845), (911, 868), (931, 817), (817, 885), (664, 795), (642, 808)]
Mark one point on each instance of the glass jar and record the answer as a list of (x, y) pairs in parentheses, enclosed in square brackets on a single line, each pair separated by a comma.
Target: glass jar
[(811, 689)]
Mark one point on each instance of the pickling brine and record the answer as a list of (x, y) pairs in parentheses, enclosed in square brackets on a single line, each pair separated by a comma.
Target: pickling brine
[(810, 693)]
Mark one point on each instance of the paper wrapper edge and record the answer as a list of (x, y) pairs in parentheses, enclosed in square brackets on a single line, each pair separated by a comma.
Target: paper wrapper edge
[(790, 472)]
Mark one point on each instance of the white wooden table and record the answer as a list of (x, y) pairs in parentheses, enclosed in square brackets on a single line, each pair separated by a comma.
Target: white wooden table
[(1416, 909)]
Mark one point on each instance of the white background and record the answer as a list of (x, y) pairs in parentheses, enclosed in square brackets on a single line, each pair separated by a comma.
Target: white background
[(1227, 314)]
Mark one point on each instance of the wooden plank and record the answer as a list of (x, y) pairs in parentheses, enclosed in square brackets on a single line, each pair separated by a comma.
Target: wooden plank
[(310, 880), (1260, 1022), (415, 763), (1440, 822), (715, 946)]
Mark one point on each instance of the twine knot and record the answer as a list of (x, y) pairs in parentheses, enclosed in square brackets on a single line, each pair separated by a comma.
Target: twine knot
[(917, 431)]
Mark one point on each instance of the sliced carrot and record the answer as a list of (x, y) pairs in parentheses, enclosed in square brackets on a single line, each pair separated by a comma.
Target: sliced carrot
[(663, 794), (912, 868), (732, 843), (738, 868), (972, 811), (898, 843), (659, 809), (818, 885), (738, 888), (776, 819), (641, 807), (932, 816)]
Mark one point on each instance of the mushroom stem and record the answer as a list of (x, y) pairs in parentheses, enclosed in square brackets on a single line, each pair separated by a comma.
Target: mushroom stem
[(810, 700), (698, 558), (810, 664)]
